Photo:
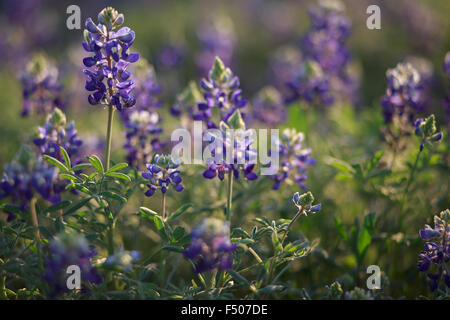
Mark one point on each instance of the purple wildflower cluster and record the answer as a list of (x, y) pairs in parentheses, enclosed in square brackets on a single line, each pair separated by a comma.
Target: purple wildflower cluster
[(57, 133), (171, 55), (304, 202), (162, 173), (436, 250), (323, 74), (108, 79), (221, 91), (25, 177), (240, 156), (211, 247), (268, 107), (294, 160), (142, 123), (40, 87), (66, 250), (404, 93), (216, 39)]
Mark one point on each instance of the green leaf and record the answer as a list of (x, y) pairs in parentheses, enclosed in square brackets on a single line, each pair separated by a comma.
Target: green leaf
[(365, 234), (240, 279), (56, 163), (340, 165), (10, 208), (70, 177), (159, 223), (66, 157), (276, 242), (81, 166), (96, 163), (178, 233), (119, 175), (58, 206), (118, 167), (59, 225), (341, 231), (239, 232), (179, 212), (76, 206), (173, 249), (147, 213), (113, 195), (45, 232)]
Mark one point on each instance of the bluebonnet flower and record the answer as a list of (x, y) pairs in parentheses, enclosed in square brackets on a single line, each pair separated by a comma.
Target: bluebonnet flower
[(324, 75), (311, 84), (68, 249), (57, 133), (162, 174), (404, 93), (304, 202), (171, 55), (25, 177), (325, 41), (122, 260), (217, 39), (427, 131), (210, 246), (142, 137), (108, 78), (294, 159), (142, 123), (283, 64), (436, 250), (242, 157), (221, 90), (40, 87), (268, 107)]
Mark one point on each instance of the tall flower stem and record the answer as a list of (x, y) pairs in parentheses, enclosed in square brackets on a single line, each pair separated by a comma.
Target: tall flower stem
[(34, 220), (163, 206), (229, 196), (111, 110), (408, 185)]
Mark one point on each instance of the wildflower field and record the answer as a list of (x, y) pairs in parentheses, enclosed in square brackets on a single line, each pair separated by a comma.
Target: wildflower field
[(254, 150)]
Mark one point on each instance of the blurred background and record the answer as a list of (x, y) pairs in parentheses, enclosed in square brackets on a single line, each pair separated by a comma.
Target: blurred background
[(181, 38)]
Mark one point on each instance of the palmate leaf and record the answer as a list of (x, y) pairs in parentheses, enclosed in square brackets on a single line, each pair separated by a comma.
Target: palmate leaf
[(179, 212), (66, 157), (96, 163), (117, 167)]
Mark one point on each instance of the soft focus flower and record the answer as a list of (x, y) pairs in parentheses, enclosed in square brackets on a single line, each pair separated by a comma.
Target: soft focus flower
[(217, 39), (171, 55), (66, 250), (404, 93), (142, 137), (294, 159), (446, 101), (142, 123), (324, 75), (40, 86), (122, 260), (211, 247), (436, 250), (162, 174), (187, 101), (107, 77), (242, 157), (283, 64), (57, 133), (268, 107), (27, 176)]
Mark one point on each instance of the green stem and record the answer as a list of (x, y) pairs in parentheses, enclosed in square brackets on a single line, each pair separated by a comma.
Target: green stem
[(163, 206), (229, 196), (111, 110), (300, 211), (34, 220), (408, 185)]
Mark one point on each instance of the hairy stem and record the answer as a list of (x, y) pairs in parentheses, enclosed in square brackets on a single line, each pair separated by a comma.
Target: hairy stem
[(163, 206), (408, 185)]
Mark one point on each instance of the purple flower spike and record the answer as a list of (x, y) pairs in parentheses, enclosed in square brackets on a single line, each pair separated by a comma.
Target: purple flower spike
[(108, 80), (211, 247), (162, 174)]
